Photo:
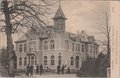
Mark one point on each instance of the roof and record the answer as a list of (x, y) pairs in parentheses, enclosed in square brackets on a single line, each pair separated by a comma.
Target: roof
[(84, 36), (59, 14)]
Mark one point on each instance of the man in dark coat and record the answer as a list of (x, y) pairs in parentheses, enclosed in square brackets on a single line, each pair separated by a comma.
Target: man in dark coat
[(62, 69), (58, 69), (41, 69), (31, 70), (37, 69), (28, 70)]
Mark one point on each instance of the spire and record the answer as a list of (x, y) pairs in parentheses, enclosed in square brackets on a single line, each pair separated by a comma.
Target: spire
[(59, 13)]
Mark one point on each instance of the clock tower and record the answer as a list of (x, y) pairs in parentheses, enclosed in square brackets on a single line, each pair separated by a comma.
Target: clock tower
[(59, 20)]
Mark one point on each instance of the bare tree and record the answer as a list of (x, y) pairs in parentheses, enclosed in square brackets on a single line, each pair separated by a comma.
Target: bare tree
[(105, 28), (19, 14)]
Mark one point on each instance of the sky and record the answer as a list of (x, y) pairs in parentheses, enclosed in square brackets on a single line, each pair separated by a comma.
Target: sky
[(81, 15)]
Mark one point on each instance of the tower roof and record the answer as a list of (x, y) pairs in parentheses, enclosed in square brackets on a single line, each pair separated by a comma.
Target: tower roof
[(59, 14)]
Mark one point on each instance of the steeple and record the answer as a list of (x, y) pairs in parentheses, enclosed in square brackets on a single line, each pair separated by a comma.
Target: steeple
[(59, 13), (59, 20)]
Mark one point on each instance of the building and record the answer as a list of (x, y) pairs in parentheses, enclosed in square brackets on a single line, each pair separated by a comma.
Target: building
[(54, 46)]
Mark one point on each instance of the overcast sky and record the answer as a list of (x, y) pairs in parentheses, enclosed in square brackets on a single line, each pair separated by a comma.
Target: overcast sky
[(82, 15)]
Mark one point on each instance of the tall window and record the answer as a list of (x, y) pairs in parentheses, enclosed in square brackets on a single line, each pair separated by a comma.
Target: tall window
[(72, 46), (32, 60), (72, 61), (20, 61), (45, 60), (20, 48), (67, 44), (25, 47), (46, 45), (52, 60), (78, 47), (25, 61), (83, 48), (52, 44), (59, 59)]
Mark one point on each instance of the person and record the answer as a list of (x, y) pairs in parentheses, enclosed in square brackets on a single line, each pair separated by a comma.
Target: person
[(68, 70), (31, 70), (37, 69), (62, 69), (28, 71), (58, 69), (41, 69)]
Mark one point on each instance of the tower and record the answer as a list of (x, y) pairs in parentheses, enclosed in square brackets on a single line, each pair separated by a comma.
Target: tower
[(59, 20)]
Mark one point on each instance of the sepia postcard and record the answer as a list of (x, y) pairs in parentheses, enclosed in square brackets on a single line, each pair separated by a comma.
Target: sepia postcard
[(59, 39)]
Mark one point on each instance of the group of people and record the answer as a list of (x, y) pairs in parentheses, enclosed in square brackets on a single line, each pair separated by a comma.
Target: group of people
[(62, 69), (40, 69), (30, 70)]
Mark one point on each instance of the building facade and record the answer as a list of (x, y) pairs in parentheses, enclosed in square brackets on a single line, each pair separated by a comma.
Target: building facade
[(54, 46)]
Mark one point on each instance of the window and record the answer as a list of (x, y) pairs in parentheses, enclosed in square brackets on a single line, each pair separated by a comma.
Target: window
[(32, 60), (25, 47), (45, 60), (20, 61), (67, 44), (45, 45), (20, 48), (78, 47), (72, 46), (52, 44), (59, 59), (25, 61), (83, 48), (72, 61), (32, 45), (52, 60)]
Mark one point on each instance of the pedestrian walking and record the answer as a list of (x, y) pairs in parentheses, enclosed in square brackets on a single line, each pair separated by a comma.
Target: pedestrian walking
[(28, 70), (41, 69), (37, 69), (68, 70), (62, 69), (31, 70), (58, 69)]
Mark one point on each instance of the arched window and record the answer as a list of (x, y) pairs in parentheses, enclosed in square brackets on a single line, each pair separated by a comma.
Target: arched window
[(59, 59), (20, 48), (72, 61), (52, 44), (25, 47), (52, 60), (25, 61), (20, 61), (83, 48), (78, 47), (45, 60), (67, 44), (45, 45)]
